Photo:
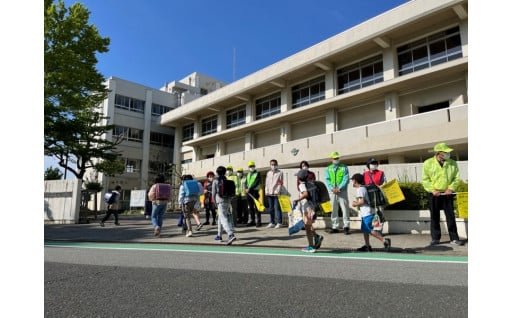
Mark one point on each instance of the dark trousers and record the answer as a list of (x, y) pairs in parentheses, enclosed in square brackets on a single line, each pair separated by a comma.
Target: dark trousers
[(109, 213), (210, 208), (253, 211), (242, 213), (444, 202)]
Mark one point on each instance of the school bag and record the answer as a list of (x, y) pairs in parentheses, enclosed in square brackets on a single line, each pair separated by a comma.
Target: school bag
[(375, 196), (162, 191), (191, 187), (317, 193), (227, 188), (110, 197)]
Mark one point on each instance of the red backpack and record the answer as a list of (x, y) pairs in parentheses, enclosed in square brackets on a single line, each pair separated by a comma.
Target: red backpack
[(163, 191)]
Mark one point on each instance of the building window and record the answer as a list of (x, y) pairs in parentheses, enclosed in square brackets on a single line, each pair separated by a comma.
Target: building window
[(432, 107), (359, 75), (235, 117), (132, 165), (268, 106), (157, 110), (427, 52), (308, 92), (188, 132), (127, 133), (209, 125), (131, 104), (160, 139), (156, 167)]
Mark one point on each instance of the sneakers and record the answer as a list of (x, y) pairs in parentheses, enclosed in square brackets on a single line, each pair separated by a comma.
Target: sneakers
[(271, 225), (457, 242), (102, 224), (308, 249), (157, 231), (214, 223), (117, 223), (346, 230), (218, 238), (231, 239), (199, 226), (332, 231), (206, 223), (318, 241), (258, 224), (252, 223), (434, 242), (189, 234), (278, 226), (387, 244), (365, 248)]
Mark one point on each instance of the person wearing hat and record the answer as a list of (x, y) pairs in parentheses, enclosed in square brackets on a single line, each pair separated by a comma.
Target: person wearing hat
[(242, 213), (252, 187), (374, 176), (440, 178), (209, 200), (336, 180)]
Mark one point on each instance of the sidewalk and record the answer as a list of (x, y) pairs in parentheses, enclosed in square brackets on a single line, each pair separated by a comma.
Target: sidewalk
[(136, 229)]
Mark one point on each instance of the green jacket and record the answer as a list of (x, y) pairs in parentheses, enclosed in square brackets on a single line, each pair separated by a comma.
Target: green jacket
[(435, 177)]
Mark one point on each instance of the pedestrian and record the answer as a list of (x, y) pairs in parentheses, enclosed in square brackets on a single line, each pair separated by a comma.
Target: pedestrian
[(440, 178), (159, 194), (336, 179), (223, 205), (148, 207), (113, 208), (209, 200), (375, 177), (234, 203), (367, 213), (311, 175), (273, 184), (242, 212), (252, 188), (308, 213), (188, 198)]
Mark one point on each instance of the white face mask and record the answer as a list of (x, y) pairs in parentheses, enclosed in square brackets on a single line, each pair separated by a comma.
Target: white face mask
[(446, 155), (273, 168), (239, 174), (229, 172), (210, 178), (373, 167), (335, 162), (252, 169), (305, 168)]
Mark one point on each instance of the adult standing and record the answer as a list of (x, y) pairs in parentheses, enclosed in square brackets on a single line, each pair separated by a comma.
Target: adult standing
[(440, 178), (209, 199), (336, 179), (233, 205), (273, 184), (159, 194), (113, 208), (242, 212), (252, 187), (304, 165), (374, 176)]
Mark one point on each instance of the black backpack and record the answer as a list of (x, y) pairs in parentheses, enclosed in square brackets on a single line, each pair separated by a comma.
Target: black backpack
[(227, 188), (317, 193)]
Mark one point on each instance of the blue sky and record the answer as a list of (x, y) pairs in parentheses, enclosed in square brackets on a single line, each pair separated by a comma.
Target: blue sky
[(163, 41)]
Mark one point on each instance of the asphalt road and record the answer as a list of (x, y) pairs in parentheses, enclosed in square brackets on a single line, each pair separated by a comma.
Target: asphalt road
[(142, 282)]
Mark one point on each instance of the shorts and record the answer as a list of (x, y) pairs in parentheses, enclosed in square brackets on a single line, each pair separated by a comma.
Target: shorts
[(366, 223)]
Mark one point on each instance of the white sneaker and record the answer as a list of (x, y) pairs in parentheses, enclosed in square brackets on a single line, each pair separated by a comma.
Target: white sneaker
[(278, 225), (189, 234), (270, 225)]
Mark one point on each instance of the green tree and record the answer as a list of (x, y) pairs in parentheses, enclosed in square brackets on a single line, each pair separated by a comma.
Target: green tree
[(74, 126), (52, 173)]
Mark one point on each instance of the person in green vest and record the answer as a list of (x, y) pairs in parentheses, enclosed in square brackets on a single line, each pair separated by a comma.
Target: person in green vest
[(336, 180), (440, 178), (252, 188), (241, 196)]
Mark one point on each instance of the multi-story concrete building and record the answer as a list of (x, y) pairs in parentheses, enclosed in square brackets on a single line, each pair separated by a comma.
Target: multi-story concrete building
[(390, 87), (146, 147)]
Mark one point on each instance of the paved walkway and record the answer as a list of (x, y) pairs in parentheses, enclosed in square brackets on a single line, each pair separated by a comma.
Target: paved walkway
[(136, 229)]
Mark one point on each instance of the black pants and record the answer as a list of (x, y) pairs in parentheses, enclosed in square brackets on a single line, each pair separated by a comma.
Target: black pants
[(444, 202), (242, 212), (210, 208), (253, 211), (109, 213)]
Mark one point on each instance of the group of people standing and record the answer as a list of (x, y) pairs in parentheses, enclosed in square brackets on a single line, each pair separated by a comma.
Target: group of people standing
[(440, 178)]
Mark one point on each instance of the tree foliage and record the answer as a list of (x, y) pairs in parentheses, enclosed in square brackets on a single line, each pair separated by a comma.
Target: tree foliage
[(52, 173), (74, 125)]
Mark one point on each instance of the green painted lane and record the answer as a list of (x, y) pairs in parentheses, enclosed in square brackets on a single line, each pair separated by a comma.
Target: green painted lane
[(262, 251)]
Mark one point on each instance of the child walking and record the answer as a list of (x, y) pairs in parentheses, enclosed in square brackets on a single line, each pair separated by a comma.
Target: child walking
[(223, 205), (367, 214)]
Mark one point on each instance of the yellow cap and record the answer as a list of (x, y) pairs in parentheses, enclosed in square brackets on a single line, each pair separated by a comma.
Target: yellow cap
[(229, 167), (334, 155), (240, 169), (442, 147), (251, 163)]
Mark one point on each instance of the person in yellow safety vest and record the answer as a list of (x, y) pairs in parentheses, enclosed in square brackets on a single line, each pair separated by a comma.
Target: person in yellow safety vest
[(252, 187), (234, 202), (242, 213), (336, 180), (440, 178)]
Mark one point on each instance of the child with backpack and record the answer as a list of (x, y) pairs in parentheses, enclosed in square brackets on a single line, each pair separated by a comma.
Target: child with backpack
[(308, 213), (159, 194), (188, 198), (224, 190), (367, 215), (112, 206)]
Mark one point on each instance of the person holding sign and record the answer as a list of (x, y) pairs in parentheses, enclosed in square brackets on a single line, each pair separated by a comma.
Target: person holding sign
[(440, 179)]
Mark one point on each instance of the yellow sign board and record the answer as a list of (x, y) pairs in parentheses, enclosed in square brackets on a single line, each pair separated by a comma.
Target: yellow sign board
[(392, 191), (285, 203), (462, 204)]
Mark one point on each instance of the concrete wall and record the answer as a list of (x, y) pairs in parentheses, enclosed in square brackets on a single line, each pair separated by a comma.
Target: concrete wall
[(62, 201)]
